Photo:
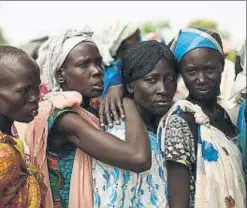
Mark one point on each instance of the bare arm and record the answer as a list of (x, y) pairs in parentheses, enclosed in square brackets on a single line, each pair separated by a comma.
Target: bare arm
[(178, 185), (134, 154)]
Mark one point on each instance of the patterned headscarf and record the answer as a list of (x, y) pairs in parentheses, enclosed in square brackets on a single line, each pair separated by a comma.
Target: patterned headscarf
[(111, 36), (54, 51), (192, 38)]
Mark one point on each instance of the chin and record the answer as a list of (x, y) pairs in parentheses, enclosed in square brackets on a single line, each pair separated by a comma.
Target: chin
[(94, 94), (25, 120), (205, 96), (160, 112)]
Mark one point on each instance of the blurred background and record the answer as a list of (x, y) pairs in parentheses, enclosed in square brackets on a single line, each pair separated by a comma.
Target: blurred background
[(23, 21)]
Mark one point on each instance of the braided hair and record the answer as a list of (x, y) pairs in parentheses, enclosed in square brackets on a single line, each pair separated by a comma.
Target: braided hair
[(141, 58)]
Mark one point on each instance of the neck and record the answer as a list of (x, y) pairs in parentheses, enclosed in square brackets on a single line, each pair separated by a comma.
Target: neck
[(149, 119), (207, 104), (86, 103), (5, 124)]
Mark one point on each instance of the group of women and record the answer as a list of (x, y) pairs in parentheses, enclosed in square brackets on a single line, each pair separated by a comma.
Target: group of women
[(138, 148)]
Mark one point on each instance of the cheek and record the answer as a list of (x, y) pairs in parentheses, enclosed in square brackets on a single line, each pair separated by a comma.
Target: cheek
[(10, 102), (143, 94), (77, 78), (171, 87)]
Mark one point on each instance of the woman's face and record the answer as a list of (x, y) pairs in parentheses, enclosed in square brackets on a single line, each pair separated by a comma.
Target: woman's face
[(19, 90), (83, 70), (201, 70), (155, 91)]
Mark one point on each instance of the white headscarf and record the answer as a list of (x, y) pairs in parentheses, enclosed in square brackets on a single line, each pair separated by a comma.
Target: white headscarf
[(54, 51), (240, 82), (111, 36)]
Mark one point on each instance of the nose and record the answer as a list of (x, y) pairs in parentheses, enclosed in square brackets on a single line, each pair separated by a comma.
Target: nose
[(34, 96), (97, 71), (201, 78), (162, 89)]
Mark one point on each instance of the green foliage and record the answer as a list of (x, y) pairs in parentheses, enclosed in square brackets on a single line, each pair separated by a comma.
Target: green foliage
[(150, 26), (231, 56), (210, 25), (207, 24)]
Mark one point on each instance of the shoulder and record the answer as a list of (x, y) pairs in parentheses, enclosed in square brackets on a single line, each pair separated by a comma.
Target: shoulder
[(56, 114), (183, 119), (180, 126)]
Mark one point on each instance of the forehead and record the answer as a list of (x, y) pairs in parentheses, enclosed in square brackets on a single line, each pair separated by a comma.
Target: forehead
[(22, 71), (201, 56), (162, 67), (83, 50)]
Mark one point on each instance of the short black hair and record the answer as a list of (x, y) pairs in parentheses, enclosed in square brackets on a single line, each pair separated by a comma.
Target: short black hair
[(9, 53)]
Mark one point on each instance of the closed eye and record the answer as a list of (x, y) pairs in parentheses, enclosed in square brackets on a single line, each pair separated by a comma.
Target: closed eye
[(23, 90)]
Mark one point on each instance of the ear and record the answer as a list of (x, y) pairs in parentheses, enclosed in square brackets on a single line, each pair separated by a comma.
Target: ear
[(130, 87)]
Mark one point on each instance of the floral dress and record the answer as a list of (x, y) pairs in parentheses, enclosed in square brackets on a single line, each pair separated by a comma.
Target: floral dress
[(118, 188)]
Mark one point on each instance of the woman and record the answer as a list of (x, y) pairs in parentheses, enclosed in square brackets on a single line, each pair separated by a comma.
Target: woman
[(149, 72), (113, 41), (21, 185), (203, 162), (64, 134), (239, 96)]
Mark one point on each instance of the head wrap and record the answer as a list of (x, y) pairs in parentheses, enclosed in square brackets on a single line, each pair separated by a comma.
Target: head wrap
[(54, 51), (239, 85), (111, 36), (192, 38), (141, 58)]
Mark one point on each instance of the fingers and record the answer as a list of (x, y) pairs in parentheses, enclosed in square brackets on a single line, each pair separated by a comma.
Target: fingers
[(121, 109), (108, 113), (114, 111), (101, 113)]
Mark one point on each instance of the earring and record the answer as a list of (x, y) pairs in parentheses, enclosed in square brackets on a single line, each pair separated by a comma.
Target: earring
[(61, 80)]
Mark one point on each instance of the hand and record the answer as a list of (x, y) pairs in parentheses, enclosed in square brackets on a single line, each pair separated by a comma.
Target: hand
[(111, 107)]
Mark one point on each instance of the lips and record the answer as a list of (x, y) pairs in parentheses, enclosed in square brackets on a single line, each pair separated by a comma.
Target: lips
[(34, 111), (164, 103), (203, 90), (99, 85)]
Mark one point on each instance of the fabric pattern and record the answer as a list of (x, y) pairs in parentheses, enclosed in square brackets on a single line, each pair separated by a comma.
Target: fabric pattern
[(21, 184), (192, 38), (219, 174), (118, 188), (60, 167), (180, 148), (37, 135)]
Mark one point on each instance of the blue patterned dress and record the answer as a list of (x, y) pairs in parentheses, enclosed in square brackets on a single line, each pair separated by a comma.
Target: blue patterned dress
[(118, 188)]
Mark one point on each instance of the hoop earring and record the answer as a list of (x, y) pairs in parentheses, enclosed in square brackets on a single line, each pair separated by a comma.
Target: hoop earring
[(61, 80)]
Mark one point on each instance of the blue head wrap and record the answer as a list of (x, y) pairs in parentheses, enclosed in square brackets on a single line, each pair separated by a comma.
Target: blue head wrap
[(192, 38)]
